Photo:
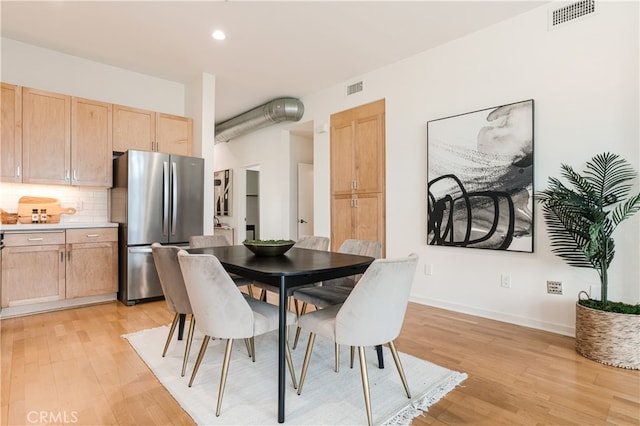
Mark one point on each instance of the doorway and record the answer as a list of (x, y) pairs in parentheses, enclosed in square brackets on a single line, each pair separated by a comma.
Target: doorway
[(252, 213), (305, 199)]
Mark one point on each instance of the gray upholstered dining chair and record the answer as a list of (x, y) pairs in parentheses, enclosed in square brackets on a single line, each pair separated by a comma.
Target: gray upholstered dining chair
[(333, 292), (175, 293), (313, 242), (219, 240), (371, 315), (223, 312)]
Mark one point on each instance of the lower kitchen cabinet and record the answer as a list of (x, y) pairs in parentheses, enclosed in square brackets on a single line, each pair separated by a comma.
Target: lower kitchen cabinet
[(49, 266), (33, 268), (92, 262)]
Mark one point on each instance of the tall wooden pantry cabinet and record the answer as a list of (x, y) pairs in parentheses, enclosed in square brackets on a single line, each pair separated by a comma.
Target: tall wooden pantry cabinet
[(358, 174)]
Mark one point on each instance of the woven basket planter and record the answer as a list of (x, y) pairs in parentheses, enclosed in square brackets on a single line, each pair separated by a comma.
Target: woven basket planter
[(608, 337)]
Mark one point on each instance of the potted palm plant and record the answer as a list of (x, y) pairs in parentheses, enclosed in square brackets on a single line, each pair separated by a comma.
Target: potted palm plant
[(581, 219)]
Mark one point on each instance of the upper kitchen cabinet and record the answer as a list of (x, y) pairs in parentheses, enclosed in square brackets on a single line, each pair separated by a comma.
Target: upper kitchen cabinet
[(91, 143), (133, 129), (174, 134), (151, 131), (11, 136), (46, 137)]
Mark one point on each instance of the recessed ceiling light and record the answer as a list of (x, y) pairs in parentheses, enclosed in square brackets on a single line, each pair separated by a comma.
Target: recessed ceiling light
[(218, 35)]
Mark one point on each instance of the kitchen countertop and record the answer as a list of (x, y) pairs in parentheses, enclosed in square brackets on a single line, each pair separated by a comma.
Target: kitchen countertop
[(52, 226)]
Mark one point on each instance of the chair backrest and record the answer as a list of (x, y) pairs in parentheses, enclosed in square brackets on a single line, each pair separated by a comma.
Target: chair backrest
[(218, 306), (362, 248), (312, 242), (175, 293), (374, 311), (197, 241)]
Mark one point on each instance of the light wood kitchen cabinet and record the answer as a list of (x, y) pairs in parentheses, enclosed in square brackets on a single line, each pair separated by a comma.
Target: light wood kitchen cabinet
[(174, 134), (151, 131), (33, 268), (91, 143), (358, 174), (92, 262), (133, 128), (11, 136), (46, 137), (360, 217), (357, 150), (53, 265)]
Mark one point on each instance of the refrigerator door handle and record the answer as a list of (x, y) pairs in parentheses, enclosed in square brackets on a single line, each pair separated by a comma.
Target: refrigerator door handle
[(174, 197), (165, 201), (140, 250)]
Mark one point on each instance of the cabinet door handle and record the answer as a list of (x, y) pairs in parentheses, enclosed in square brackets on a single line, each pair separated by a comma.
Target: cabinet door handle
[(61, 256), (35, 239), (92, 235), (18, 171), (68, 255), (75, 175)]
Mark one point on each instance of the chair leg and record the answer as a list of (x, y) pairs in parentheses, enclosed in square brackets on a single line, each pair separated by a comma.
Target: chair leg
[(247, 343), (252, 344), (337, 354), (187, 348), (365, 384), (290, 364), (223, 376), (396, 359), (250, 290), (263, 295), (298, 329), (305, 363), (176, 317), (203, 349)]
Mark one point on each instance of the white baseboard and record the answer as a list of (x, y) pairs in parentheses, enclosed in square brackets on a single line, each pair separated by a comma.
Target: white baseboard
[(498, 316), (18, 311)]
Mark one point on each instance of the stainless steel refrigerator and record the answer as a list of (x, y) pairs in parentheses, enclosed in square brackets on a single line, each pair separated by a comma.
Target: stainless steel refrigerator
[(156, 197)]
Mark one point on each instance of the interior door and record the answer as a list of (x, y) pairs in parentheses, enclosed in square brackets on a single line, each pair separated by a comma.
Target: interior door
[(305, 199)]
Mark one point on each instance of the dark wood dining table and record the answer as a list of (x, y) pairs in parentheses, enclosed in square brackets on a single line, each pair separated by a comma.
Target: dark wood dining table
[(295, 268)]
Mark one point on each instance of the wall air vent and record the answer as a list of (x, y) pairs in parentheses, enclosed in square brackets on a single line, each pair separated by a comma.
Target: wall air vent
[(569, 12), (354, 88)]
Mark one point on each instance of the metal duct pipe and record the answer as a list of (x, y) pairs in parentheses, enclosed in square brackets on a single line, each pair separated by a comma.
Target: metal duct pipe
[(275, 111)]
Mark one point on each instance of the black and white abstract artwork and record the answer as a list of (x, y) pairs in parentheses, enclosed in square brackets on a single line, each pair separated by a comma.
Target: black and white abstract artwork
[(222, 192), (480, 179)]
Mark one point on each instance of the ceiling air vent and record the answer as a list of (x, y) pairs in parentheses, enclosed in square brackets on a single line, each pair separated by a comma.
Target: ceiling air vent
[(564, 14), (354, 88)]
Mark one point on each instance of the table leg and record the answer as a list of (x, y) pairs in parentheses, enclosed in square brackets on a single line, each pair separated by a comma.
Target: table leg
[(182, 317), (282, 336), (380, 356)]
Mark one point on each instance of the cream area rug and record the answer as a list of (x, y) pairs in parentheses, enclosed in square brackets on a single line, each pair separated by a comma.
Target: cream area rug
[(328, 398)]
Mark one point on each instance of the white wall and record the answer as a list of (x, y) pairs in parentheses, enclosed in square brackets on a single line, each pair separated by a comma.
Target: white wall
[(44, 69), (26, 65), (584, 80)]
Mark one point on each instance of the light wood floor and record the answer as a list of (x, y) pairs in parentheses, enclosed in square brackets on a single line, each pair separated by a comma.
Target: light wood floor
[(72, 366)]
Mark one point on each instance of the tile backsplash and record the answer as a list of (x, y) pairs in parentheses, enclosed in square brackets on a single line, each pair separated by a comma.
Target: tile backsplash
[(91, 204)]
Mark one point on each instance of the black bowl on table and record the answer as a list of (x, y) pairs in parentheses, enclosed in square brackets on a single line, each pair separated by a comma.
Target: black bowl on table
[(268, 247)]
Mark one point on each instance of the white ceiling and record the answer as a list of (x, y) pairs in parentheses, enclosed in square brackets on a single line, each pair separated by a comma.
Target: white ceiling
[(273, 49)]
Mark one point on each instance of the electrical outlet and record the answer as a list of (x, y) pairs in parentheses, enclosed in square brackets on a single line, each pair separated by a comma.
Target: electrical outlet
[(505, 281), (428, 269), (554, 287)]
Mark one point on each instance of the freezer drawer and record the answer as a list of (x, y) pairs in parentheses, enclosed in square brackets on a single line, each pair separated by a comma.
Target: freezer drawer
[(138, 277)]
